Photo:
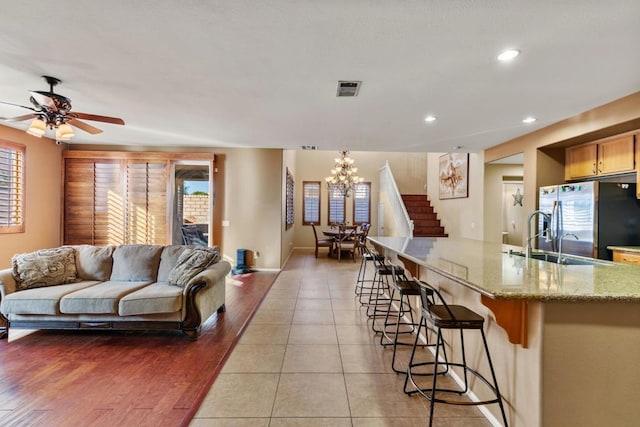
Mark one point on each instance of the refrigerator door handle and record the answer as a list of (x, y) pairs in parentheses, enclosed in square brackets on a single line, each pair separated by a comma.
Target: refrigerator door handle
[(555, 225)]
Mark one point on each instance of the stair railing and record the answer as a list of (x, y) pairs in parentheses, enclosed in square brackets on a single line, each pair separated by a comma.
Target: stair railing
[(396, 219)]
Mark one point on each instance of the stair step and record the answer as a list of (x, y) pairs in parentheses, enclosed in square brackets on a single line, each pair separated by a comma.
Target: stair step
[(425, 220), (426, 223), (407, 197), (423, 216), (430, 234), (419, 210)]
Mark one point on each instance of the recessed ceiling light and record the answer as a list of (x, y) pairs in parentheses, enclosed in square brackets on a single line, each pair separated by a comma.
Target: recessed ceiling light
[(430, 118), (529, 119), (508, 55)]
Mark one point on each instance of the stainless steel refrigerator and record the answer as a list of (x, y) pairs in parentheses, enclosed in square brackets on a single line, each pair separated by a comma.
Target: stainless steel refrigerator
[(601, 214)]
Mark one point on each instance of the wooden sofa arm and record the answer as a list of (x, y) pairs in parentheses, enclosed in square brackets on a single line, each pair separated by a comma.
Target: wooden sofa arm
[(7, 282), (203, 295)]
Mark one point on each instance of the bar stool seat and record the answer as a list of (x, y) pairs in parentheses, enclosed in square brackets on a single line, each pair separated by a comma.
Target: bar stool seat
[(457, 317)]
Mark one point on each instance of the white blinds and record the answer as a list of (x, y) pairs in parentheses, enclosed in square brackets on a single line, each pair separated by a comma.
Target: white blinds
[(311, 202), (362, 203), (336, 205), (11, 188)]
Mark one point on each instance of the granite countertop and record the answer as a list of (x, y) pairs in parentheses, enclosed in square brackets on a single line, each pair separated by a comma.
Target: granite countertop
[(489, 269), (624, 248)]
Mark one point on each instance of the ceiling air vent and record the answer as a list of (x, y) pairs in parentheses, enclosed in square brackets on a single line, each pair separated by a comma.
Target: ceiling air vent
[(348, 88), (309, 147)]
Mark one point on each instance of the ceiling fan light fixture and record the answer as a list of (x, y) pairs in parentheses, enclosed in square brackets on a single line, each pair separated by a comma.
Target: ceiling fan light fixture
[(37, 127), (64, 132)]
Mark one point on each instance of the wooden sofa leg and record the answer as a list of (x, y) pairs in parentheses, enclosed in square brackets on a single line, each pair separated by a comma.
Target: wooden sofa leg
[(192, 334), (222, 308)]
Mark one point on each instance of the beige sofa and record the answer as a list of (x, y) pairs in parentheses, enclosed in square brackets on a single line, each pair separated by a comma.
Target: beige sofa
[(133, 287)]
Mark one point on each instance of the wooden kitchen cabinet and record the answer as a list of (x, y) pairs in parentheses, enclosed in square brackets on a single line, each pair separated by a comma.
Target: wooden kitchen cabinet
[(626, 257), (606, 157), (616, 156), (581, 161)]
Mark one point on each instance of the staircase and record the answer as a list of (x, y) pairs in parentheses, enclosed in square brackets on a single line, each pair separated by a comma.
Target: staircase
[(425, 220)]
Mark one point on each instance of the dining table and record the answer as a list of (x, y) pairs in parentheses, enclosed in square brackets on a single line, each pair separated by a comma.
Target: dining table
[(335, 233)]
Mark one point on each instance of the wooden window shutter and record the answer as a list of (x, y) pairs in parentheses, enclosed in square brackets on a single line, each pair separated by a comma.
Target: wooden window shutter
[(115, 201), (93, 203), (146, 201)]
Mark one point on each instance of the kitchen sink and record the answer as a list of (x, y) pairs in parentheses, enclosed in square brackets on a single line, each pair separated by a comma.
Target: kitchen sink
[(566, 260)]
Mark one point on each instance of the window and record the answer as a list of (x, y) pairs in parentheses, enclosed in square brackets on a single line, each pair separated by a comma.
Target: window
[(362, 203), (336, 205), (11, 188), (311, 202)]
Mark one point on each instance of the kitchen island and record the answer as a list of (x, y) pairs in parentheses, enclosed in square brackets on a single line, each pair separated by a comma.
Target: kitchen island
[(565, 339)]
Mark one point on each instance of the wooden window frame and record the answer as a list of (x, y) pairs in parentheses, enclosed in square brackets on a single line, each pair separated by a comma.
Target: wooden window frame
[(304, 207), (353, 219), (18, 210), (344, 207)]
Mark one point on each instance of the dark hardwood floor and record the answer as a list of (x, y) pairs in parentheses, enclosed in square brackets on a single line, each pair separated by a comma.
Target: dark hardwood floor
[(77, 378)]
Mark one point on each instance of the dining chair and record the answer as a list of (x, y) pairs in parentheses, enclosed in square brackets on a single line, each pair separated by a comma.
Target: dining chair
[(322, 243), (346, 242)]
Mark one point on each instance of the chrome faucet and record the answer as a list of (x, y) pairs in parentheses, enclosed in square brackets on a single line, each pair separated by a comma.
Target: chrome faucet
[(530, 237), (560, 245)]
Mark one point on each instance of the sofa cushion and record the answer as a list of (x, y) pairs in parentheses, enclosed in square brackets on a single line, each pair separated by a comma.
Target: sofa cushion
[(136, 263), (152, 299), (168, 260), (40, 301), (102, 298), (191, 262), (45, 267), (94, 262)]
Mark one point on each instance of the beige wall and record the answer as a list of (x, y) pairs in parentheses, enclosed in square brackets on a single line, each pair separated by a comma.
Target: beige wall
[(43, 200), (410, 172), (253, 204), (460, 217)]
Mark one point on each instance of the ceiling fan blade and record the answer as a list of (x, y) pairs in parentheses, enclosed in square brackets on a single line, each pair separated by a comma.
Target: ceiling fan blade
[(18, 105), (43, 100), (19, 118), (96, 118), (84, 126)]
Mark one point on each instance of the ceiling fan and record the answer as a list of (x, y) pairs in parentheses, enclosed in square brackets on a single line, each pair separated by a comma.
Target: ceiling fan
[(53, 111)]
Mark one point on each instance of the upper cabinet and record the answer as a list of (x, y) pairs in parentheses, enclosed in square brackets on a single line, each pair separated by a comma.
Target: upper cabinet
[(581, 161), (606, 157)]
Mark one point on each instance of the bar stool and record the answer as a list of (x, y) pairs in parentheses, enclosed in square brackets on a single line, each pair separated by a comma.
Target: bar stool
[(401, 292), (456, 317), (367, 256), (378, 304)]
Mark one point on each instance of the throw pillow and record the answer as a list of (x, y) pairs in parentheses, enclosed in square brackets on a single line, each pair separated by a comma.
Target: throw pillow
[(46, 267), (191, 262), (133, 263), (94, 262)]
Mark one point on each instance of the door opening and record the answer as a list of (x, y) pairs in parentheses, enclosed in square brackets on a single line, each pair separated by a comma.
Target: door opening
[(192, 204)]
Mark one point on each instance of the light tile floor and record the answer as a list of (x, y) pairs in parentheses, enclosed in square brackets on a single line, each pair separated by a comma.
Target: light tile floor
[(309, 358)]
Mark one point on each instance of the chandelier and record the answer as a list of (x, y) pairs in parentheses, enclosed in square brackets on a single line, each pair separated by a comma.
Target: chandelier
[(343, 176)]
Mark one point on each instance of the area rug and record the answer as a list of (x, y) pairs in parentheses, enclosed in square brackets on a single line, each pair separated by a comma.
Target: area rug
[(77, 378)]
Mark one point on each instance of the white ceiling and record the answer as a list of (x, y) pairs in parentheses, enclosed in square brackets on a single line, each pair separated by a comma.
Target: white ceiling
[(263, 73)]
